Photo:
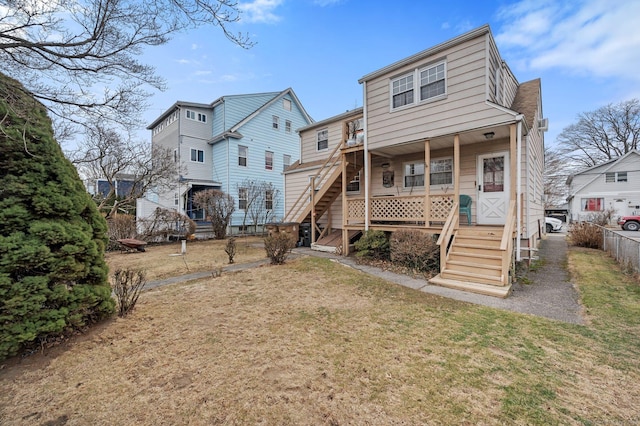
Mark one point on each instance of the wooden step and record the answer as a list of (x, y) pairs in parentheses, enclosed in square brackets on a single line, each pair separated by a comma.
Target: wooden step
[(472, 277), (476, 258), (486, 289), (474, 268), (476, 249)]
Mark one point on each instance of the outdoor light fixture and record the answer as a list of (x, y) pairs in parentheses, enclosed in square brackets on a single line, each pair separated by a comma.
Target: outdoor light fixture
[(489, 135)]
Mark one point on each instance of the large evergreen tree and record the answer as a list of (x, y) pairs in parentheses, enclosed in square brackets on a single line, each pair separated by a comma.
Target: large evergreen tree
[(53, 276)]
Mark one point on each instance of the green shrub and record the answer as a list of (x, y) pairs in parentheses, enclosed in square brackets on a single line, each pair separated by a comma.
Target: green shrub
[(278, 246), (373, 245), (53, 277), (415, 250), (585, 234)]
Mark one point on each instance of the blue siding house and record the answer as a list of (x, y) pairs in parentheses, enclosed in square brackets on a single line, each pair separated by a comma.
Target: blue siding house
[(234, 141)]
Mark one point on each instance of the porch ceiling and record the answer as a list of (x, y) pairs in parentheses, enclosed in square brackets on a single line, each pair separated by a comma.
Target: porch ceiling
[(445, 141)]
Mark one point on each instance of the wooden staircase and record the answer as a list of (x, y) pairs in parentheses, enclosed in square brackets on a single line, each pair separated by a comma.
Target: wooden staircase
[(327, 185), (475, 262)]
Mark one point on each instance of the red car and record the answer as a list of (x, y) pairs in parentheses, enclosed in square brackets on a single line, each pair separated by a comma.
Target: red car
[(629, 223)]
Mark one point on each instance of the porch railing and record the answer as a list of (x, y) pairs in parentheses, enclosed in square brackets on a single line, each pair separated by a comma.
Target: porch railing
[(407, 209)]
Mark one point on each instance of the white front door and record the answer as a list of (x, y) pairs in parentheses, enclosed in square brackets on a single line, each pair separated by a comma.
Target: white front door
[(493, 188)]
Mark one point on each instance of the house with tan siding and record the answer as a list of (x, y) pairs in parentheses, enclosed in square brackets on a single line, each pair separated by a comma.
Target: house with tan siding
[(224, 144), (449, 121)]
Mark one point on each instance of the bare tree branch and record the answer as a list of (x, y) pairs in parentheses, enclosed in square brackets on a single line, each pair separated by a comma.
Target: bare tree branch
[(80, 57)]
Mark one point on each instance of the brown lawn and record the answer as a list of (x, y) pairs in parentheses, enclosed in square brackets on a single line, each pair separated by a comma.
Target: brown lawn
[(314, 342)]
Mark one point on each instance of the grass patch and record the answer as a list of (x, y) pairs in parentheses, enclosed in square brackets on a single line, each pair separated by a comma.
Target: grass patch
[(315, 342)]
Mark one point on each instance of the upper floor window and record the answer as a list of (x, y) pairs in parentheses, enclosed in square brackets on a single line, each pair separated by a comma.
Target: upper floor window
[(268, 160), (197, 155), (286, 161), (286, 104), (413, 174), (432, 81), (402, 91), (276, 122), (611, 177), (322, 140), (242, 155), (243, 195), (287, 126), (192, 115), (441, 171)]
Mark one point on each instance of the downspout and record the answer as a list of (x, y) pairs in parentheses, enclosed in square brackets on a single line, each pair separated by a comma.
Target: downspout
[(179, 159), (366, 157), (519, 186)]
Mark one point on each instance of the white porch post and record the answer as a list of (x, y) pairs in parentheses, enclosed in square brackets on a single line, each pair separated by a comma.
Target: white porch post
[(367, 158), (456, 168), (519, 187)]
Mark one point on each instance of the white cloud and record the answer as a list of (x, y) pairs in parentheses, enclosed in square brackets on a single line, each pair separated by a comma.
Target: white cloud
[(589, 37), (260, 11)]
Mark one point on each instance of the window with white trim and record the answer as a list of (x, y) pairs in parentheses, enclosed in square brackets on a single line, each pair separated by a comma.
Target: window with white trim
[(287, 126), (197, 155), (202, 118), (276, 122), (612, 177), (592, 204), (243, 194), (402, 91), (413, 174), (191, 115), (286, 104), (242, 155), (441, 171), (433, 81), (286, 161), (268, 199), (268, 160), (322, 140)]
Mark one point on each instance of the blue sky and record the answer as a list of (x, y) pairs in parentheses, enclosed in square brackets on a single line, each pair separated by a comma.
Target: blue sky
[(587, 53)]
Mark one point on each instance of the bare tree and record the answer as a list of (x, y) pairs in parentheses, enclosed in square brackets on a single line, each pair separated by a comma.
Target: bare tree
[(250, 196), (80, 57), (218, 208), (264, 211), (601, 135), (107, 154), (556, 172)]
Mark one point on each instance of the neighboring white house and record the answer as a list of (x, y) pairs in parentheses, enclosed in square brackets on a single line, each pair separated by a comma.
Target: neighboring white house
[(614, 185)]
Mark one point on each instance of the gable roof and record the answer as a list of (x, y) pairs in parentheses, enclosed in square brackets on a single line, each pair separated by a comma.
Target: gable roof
[(609, 165), (527, 100), (261, 102)]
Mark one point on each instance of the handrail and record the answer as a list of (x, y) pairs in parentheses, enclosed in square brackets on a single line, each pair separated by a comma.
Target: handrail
[(509, 227), (448, 229), (312, 185)]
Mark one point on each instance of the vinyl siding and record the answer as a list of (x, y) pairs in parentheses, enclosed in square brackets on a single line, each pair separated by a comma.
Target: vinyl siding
[(259, 137), (463, 108), (597, 187)]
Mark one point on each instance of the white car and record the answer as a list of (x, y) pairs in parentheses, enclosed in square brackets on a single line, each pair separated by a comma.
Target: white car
[(552, 224)]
